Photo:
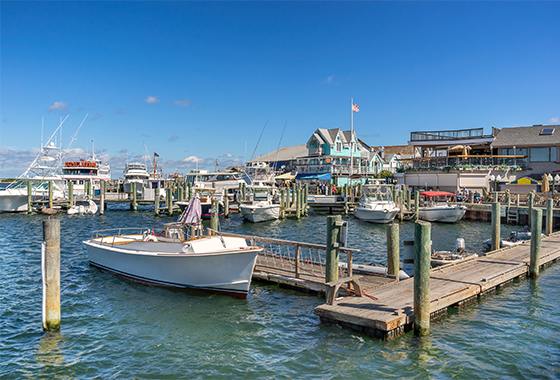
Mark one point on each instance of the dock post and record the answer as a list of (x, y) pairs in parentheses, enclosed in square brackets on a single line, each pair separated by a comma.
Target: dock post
[(134, 204), (179, 192), (549, 215), (29, 197), (190, 192), (214, 215), (169, 201), (346, 197), (394, 192), (416, 204), (422, 238), (243, 191), (408, 198), (51, 274), (401, 206), (536, 229), (294, 190), (50, 194), (393, 259), (332, 253), (156, 201), (102, 197), (226, 204), (71, 193), (495, 225), (298, 202), (282, 203), (305, 196), (517, 209), (531, 203)]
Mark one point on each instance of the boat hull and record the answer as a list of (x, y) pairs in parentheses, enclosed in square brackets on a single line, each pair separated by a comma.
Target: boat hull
[(164, 264), (260, 214), (442, 214), (12, 202), (375, 216)]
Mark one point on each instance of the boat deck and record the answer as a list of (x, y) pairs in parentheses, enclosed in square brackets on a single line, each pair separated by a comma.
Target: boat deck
[(450, 285)]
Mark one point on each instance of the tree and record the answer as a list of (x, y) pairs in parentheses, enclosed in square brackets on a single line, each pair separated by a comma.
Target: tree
[(385, 174)]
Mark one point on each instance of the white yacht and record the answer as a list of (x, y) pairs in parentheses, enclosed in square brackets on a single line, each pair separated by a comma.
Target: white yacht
[(376, 205), (261, 207), (437, 209), (135, 172), (82, 171)]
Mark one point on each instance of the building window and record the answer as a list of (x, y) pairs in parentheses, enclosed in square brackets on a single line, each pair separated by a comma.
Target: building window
[(543, 154), (338, 146), (511, 152)]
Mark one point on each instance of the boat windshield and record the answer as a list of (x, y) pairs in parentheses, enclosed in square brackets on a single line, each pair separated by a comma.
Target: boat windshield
[(260, 195), (378, 194)]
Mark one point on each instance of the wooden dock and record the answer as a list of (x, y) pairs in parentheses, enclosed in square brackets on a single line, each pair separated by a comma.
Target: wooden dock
[(451, 285)]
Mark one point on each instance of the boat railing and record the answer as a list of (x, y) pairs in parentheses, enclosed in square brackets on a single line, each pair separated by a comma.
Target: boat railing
[(301, 260)]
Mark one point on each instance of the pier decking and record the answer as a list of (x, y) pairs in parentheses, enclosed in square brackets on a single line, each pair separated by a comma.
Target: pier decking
[(451, 285)]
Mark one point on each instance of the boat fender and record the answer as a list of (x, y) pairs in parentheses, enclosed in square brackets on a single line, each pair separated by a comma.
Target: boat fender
[(185, 248), (150, 238)]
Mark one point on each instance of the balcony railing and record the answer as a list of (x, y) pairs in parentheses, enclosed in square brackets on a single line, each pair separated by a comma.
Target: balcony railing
[(468, 162), (461, 134)]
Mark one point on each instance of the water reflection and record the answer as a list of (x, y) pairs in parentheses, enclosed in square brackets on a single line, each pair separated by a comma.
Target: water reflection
[(49, 352)]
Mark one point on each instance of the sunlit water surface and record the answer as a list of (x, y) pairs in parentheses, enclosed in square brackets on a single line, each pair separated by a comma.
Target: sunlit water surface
[(113, 328)]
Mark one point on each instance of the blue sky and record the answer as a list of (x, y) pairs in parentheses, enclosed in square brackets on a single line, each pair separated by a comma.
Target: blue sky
[(198, 81)]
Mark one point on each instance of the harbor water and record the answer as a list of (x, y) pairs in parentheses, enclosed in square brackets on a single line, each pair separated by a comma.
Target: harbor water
[(114, 328)]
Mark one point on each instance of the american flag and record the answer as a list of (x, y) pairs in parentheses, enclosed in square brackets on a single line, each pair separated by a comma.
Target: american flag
[(355, 108)]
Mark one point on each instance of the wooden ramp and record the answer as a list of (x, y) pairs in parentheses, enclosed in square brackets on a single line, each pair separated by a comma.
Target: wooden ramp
[(450, 285)]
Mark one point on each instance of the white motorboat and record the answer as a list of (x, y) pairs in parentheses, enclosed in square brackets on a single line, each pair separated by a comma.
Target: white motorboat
[(82, 171), (205, 195), (83, 207), (261, 207), (376, 205), (437, 209), (135, 172), (439, 258), (211, 263)]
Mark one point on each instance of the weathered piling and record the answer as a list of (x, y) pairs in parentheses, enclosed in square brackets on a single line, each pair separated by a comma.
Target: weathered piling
[(393, 259), (549, 216), (214, 214), (51, 274), (134, 204), (156, 201), (332, 252), (495, 225), (305, 196), (298, 202), (102, 198), (416, 204), (530, 203), (226, 205), (169, 201), (408, 199), (536, 229), (282, 203), (50, 194), (422, 239)]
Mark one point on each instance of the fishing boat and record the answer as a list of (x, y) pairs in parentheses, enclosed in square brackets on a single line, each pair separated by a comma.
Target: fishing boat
[(437, 208), (179, 256), (376, 204), (439, 258), (82, 171), (205, 195), (261, 206), (83, 207)]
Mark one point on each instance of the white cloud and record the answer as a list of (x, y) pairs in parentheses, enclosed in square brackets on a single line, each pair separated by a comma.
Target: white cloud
[(554, 120), (60, 106), (227, 155), (329, 79), (173, 138), (152, 100), (182, 103), (193, 159)]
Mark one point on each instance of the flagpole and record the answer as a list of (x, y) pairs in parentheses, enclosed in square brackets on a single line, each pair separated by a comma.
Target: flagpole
[(351, 138)]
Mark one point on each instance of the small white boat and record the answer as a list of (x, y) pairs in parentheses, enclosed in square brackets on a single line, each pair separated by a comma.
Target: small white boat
[(208, 263), (372, 269), (437, 209), (262, 207), (439, 258), (376, 205), (515, 238), (81, 207)]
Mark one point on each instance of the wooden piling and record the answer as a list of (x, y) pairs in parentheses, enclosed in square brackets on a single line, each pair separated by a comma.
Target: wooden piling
[(282, 203), (134, 203), (393, 259), (51, 274), (305, 196), (332, 252), (496, 225), (416, 204), (298, 202), (102, 198), (536, 229), (169, 201), (531, 203), (226, 204), (422, 239), (408, 199), (51, 194), (549, 216), (214, 212), (156, 201)]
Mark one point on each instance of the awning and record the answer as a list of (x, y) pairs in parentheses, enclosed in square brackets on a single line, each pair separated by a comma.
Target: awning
[(288, 176), (436, 194), (307, 176)]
